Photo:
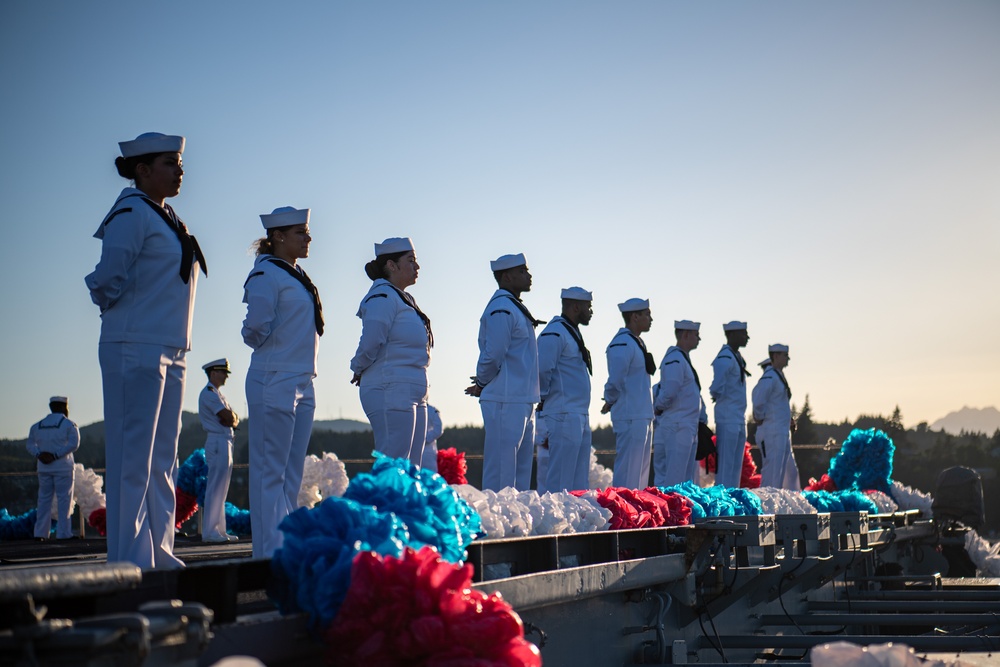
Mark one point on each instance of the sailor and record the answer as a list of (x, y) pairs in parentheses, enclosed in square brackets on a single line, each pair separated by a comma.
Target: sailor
[(729, 393), (564, 370), (390, 365), (435, 428), (679, 408), (506, 379), (218, 421), (628, 395), (772, 413), (145, 287), (52, 442), (283, 324)]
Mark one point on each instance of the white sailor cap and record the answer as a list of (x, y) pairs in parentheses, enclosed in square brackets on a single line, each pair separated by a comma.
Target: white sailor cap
[(508, 262), (632, 305), (392, 246), (735, 325), (152, 142), (577, 294), (687, 325), (285, 216), (766, 362), (58, 399), (777, 347), (217, 365)]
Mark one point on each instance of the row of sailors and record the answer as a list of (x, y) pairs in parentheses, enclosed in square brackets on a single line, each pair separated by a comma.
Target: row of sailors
[(516, 371), (145, 284)]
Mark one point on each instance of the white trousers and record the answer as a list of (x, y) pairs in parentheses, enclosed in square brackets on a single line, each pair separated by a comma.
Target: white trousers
[(570, 440), (143, 391), (397, 412), (541, 468), (730, 443), (59, 484), (429, 459), (508, 445), (778, 467), (674, 447), (280, 410), (633, 446), (219, 459)]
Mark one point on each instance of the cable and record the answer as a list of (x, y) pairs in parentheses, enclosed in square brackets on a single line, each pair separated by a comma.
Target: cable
[(718, 648)]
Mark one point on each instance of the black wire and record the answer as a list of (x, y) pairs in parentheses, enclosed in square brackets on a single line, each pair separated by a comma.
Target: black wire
[(718, 649)]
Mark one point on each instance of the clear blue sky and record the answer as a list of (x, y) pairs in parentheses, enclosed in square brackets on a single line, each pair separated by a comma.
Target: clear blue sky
[(827, 171)]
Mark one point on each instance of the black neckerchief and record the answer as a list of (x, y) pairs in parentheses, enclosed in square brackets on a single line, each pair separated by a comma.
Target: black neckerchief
[(520, 306), (190, 250), (301, 276), (781, 376), (744, 373), (575, 333), (688, 359), (647, 357), (411, 302)]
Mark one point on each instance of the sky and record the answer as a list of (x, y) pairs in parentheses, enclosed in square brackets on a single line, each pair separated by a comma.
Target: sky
[(827, 172)]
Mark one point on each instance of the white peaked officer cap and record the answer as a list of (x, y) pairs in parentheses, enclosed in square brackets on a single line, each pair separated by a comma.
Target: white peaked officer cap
[(392, 246), (285, 216), (777, 347), (217, 365), (577, 293), (58, 399), (152, 142), (632, 305), (735, 325), (508, 262), (687, 325)]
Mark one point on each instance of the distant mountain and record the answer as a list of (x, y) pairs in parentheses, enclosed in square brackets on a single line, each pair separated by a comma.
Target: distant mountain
[(978, 420), (341, 425)]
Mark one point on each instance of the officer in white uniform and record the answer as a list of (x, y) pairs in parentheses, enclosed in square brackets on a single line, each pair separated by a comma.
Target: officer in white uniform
[(772, 413), (506, 379), (564, 371), (435, 428), (283, 324), (679, 408), (218, 421), (729, 393), (628, 395), (52, 442), (390, 365), (145, 287)]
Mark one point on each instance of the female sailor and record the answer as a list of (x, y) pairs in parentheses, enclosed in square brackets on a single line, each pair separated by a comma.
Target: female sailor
[(145, 286), (283, 324), (390, 365)]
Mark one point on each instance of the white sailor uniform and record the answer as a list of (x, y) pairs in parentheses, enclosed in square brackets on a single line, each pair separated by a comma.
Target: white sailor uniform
[(675, 434), (146, 308), (435, 428), (59, 436), (392, 359), (564, 369), (507, 371), (218, 459), (772, 407), (282, 326), (628, 391), (729, 392)]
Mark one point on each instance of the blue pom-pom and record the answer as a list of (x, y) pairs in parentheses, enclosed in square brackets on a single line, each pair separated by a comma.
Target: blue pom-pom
[(433, 513), (312, 569), (192, 476)]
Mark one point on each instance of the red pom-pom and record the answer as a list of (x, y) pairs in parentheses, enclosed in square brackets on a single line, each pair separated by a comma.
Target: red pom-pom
[(187, 505), (421, 610), (678, 507), (749, 478), (452, 466), (824, 483), (99, 519)]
